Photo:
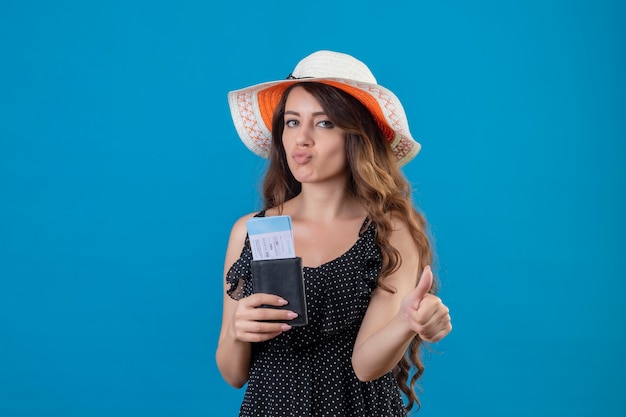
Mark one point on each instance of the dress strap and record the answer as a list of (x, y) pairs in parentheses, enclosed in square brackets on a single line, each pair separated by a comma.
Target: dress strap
[(366, 224)]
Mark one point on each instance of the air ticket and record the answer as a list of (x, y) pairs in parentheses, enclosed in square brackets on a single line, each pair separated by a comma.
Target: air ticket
[(271, 237)]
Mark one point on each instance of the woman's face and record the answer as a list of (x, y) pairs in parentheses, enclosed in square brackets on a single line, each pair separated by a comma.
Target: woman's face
[(314, 146)]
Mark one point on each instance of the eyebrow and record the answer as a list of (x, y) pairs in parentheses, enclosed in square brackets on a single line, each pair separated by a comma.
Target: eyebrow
[(295, 113)]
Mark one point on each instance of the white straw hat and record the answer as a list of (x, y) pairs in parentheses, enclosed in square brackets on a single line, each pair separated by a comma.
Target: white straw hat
[(252, 108)]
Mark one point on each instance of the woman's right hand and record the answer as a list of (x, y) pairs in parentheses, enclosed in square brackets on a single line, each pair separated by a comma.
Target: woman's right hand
[(249, 322)]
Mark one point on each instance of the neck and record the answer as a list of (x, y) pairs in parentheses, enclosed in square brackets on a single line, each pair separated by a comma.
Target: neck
[(324, 203)]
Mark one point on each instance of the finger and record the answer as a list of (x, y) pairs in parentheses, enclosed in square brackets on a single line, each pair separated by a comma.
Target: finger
[(246, 317), (257, 331), (274, 314), (431, 309), (426, 281), (432, 314), (423, 286), (439, 324), (257, 337), (261, 327), (258, 299), (437, 335)]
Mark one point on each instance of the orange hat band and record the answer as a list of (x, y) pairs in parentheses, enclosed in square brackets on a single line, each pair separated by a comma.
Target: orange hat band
[(268, 100)]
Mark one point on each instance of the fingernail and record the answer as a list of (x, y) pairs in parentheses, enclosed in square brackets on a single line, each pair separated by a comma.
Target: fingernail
[(282, 301), (292, 315), (285, 327)]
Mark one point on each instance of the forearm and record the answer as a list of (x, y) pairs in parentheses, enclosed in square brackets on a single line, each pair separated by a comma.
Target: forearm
[(381, 352), (233, 360)]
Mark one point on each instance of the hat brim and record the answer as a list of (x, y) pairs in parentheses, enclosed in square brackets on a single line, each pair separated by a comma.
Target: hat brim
[(252, 110)]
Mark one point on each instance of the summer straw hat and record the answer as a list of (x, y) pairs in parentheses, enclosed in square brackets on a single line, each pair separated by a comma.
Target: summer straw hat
[(252, 108)]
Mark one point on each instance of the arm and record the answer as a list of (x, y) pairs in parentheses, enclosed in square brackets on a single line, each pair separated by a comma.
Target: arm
[(241, 323), (393, 319)]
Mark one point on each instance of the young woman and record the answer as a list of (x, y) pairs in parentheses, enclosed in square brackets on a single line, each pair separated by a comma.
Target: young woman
[(336, 146)]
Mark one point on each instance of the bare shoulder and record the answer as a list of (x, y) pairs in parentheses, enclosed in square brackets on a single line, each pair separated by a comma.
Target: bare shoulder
[(400, 228), (238, 231), (403, 241), (236, 240)]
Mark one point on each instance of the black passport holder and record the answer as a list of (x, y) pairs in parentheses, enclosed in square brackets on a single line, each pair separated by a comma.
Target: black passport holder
[(282, 277)]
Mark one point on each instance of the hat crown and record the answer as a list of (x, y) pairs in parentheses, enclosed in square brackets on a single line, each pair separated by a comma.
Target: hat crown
[(329, 64)]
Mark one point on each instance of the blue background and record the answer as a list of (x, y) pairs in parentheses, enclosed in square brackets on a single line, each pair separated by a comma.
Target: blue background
[(121, 174)]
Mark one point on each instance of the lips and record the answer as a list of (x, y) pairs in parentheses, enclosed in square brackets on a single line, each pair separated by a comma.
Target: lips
[(301, 157)]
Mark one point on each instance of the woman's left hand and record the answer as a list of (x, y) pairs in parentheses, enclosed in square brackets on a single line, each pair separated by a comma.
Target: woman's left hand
[(426, 313)]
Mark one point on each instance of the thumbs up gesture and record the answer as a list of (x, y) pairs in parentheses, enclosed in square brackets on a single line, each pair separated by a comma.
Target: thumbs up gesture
[(425, 313)]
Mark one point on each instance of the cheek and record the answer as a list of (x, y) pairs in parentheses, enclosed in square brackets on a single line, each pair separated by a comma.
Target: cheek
[(338, 152), (287, 139)]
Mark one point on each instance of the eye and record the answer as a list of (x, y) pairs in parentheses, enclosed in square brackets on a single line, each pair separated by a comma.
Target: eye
[(326, 124), (291, 123)]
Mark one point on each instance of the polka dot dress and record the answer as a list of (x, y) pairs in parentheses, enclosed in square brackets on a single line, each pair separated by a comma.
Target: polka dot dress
[(307, 371)]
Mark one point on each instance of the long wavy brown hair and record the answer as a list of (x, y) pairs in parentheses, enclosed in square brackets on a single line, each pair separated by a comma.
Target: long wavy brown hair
[(376, 179)]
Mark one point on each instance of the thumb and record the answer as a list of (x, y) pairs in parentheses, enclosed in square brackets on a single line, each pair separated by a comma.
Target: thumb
[(423, 286)]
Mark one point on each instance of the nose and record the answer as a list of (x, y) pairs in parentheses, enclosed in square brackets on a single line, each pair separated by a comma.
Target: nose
[(304, 136)]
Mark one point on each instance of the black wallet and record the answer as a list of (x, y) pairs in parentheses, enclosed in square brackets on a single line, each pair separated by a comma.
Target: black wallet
[(282, 277)]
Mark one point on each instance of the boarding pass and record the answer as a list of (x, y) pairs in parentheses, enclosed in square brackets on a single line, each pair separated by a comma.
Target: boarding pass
[(271, 237)]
